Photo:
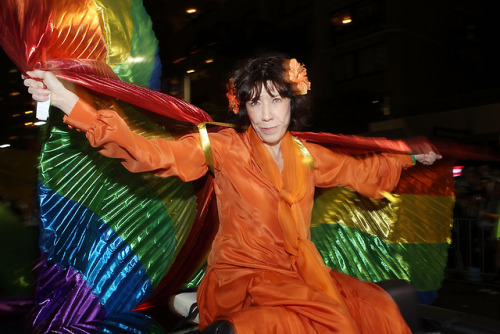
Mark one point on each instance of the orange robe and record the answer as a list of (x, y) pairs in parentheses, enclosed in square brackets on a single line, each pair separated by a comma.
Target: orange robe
[(255, 277)]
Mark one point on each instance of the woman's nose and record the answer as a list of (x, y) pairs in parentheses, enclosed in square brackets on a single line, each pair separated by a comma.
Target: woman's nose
[(267, 113)]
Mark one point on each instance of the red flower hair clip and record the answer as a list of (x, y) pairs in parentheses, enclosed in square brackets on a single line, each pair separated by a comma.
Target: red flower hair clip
[(234, 104), (297, 74)]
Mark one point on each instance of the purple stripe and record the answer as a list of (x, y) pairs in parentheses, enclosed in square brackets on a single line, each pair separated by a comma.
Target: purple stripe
[(64, 302)]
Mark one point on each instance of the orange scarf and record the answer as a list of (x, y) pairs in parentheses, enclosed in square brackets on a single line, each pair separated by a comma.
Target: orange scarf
[(292, 187)]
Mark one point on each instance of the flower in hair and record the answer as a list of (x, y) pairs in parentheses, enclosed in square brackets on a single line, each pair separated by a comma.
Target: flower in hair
[(298, 75), (234, 104)]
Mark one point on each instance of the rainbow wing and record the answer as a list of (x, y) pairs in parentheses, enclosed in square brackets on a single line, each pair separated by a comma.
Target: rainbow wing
[(108, 237), (405, 237)]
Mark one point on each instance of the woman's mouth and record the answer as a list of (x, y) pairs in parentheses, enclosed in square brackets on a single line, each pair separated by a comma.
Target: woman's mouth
[(268, 129)]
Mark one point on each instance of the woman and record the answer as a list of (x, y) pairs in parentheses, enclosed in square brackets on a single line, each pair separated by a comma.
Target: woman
[(264, 275)]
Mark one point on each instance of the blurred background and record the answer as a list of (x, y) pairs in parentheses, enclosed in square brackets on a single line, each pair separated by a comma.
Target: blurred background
[(389, 68)]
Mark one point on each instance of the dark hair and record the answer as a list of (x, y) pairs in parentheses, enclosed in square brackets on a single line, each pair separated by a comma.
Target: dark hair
[(268, 72)]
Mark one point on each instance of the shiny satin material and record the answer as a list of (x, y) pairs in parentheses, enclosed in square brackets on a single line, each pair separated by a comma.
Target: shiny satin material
[(415, 219), (117, 23), (292, 185), (73, 236), (306, 156), (34, 31), (28, 39), (354, 144), (435, 180), (65, 160), (251, 240), (205, 144), (130, 322), (60, 288), (372, 259), (378, 239), (58, 291), (124, 263), (131, 42)]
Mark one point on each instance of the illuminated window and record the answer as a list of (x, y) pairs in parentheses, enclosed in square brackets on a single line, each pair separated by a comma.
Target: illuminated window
[(342, 19), (363, 15), (346, 19)]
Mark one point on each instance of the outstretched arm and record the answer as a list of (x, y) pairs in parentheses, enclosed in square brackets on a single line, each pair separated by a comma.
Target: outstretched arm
[(109, 133), (369, 175)]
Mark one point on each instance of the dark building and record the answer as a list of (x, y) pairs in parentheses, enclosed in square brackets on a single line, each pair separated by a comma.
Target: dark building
[(378, 67), (17, 116)]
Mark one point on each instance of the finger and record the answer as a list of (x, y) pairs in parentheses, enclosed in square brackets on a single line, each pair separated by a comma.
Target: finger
[(39, 74), (40, 97), (33, 83), (38, 91)]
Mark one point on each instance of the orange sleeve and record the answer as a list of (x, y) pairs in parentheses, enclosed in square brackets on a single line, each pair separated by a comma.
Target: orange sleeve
[(368, 175), (109, 133)]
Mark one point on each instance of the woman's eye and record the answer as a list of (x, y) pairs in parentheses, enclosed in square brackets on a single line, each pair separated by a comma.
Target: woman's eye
[(253, 103), (276, 100)]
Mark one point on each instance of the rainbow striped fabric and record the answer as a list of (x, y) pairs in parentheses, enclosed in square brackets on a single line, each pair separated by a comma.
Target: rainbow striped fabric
[(405, 236)]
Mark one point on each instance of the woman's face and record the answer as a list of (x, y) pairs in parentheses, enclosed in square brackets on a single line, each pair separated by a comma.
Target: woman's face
[(270, 116)]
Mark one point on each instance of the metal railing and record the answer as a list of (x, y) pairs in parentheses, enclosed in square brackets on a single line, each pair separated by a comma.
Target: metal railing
[(474, 251)]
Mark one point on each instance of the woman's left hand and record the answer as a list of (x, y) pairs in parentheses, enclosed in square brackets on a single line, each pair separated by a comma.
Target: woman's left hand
[(427, 158)]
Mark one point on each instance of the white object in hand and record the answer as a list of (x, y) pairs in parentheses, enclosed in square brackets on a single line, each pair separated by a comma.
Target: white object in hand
[(42, 110)]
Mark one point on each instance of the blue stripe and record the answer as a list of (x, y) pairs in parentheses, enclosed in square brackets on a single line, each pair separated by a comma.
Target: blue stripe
[(130, 322), (155, 82), (73, 236)]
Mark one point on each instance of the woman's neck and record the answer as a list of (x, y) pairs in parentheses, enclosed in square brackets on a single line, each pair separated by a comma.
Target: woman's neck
[(275, 151)]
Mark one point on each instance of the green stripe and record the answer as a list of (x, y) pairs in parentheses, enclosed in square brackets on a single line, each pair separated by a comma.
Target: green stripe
[(369, 258), (143, 47), (408, 219), (128, 202)]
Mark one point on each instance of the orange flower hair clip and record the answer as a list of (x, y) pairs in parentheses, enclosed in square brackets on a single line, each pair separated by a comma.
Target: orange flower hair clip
[(234, 104), (298, 75)]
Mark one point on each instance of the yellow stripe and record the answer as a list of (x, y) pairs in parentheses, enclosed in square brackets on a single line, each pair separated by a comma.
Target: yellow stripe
[(205, 144), (306, 156), (117, 26), (409, 219)]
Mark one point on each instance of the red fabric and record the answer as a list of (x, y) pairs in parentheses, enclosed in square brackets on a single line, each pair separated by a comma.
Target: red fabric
[(435, 180)]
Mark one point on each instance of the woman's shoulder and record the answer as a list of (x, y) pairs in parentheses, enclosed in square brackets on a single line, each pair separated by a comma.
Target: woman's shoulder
[(228, 138), (315, 148), (228, 134)]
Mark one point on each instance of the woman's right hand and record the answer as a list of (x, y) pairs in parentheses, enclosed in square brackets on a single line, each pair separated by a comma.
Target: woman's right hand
[(43, 84)]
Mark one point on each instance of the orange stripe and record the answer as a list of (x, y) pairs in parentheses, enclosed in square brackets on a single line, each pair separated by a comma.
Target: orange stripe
[(435, 180)]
